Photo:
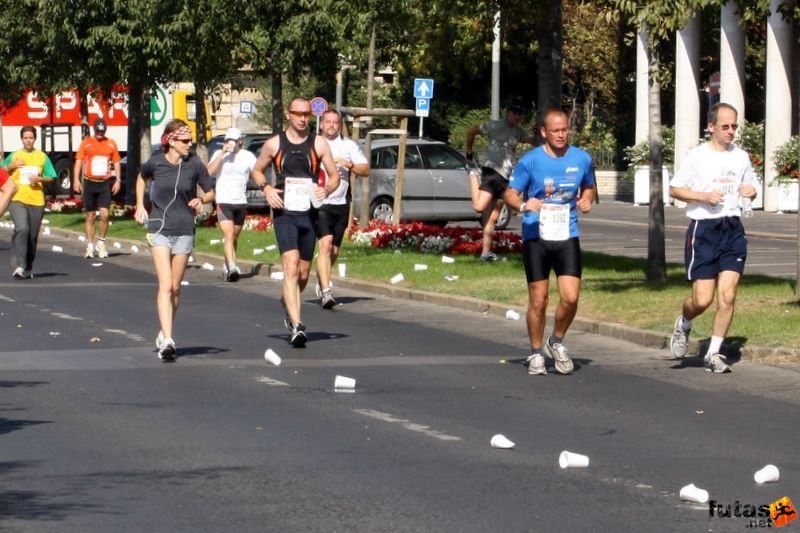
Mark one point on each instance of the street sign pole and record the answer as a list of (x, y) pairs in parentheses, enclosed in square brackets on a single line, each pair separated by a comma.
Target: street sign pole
[(421, 119)]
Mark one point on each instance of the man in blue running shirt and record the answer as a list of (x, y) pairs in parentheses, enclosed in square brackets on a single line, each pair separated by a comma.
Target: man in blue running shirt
[(549, 185)]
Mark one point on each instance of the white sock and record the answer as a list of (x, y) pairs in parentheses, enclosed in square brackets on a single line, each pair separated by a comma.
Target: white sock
[(714, 345)]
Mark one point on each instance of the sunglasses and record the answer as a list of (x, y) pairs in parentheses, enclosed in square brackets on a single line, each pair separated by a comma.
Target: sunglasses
[(726, 127), (184, 141), (299, 114)]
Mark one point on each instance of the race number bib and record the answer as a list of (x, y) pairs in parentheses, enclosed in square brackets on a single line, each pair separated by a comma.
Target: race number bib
[(26, 173), (554, 222), (729, 186), (98, 166), (296, 194)]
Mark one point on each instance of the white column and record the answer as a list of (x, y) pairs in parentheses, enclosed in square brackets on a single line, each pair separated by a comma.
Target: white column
[(642, 94), (496, 68), (731, 58), (687, 89), (778, 121)]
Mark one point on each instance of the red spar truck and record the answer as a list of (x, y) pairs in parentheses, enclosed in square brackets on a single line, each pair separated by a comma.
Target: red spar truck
[(57, 119)]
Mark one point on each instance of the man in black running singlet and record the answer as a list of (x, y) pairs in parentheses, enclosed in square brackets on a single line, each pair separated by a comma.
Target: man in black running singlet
[(296, 156)]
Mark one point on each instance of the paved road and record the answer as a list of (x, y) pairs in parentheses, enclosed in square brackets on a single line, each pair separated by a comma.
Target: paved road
[(101, 436)]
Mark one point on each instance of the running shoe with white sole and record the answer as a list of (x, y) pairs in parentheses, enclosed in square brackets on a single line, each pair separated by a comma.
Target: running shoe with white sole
[(327, 301), (716, 363), (489, 257), (19, 273), (226, 273), (159, 339), (234, 274), (102, 253), (536, 365), (299, 338), (679, 342), (89, 253), (558, 352), (167, 351)]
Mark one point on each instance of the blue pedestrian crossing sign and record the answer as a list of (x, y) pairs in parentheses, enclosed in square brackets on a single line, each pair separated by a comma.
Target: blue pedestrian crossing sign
[(423, 88)]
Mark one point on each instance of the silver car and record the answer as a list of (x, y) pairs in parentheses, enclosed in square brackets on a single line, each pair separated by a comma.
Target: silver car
[(436, 183)]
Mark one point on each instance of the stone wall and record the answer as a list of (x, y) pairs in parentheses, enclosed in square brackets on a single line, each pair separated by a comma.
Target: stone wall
[(611, 186)]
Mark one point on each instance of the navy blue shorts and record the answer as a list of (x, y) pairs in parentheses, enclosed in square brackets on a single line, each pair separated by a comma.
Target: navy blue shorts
[(713, 246), (296, 232), (540, 257)]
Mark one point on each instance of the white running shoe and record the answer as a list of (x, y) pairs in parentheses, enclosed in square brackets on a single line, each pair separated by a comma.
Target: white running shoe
[(679, 342), (102, 253), (89, 251), (558, 352), (19, 273), (536, 365), (167, 351), (159, 340), (716, 363)]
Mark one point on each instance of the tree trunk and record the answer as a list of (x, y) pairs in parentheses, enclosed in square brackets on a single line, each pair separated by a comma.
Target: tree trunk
[(371, 66), (200, 119), (277, 102), (656, 255), (135, 93), (551, 42)]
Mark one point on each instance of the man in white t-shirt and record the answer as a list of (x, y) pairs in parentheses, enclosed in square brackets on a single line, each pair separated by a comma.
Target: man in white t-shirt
[(712, 180), (333, 215), (231, 166)]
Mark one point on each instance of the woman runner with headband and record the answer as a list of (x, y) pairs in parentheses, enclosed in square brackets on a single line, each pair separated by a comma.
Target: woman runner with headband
[(176, 173)]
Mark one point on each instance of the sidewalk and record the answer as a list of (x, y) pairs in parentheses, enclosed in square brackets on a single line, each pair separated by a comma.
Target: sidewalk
[(774, 225)]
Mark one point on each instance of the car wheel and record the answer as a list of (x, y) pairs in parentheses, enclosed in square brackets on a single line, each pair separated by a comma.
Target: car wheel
[(382, 209), (502, 219)]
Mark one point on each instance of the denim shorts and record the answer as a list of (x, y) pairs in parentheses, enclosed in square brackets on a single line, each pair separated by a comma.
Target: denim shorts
[(178, 244)]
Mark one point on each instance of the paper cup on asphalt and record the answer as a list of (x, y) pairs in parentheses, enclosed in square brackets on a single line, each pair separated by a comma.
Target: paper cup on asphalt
[(768, 474), (208, 266), (135, 249), (272, 357), (572, 460), (693, 494), (500, 441), (116, 245), (397, 279), (512, 315), (81, 238), (420, 267), (342, 270), (277, 276), (343, 382), (57, 248)]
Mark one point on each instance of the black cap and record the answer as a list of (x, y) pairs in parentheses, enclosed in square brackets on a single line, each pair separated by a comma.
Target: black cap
[(100, 125), (515, 105)]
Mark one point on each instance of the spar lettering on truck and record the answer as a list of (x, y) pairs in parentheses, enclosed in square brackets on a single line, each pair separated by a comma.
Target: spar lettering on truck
[(58, 123)]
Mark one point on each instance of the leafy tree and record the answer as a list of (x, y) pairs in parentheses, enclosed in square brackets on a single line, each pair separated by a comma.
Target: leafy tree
[(659, 20)]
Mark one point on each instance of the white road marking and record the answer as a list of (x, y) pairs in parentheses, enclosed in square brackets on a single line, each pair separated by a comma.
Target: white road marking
[(409, 425), (6, 298), (65, 316), (131, 336), (270, 381)]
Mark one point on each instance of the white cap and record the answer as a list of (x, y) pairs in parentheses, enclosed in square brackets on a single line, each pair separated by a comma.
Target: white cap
[(233, 134)]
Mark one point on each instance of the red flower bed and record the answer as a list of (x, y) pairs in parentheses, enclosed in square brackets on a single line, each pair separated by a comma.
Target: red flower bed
[(432, 239)]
